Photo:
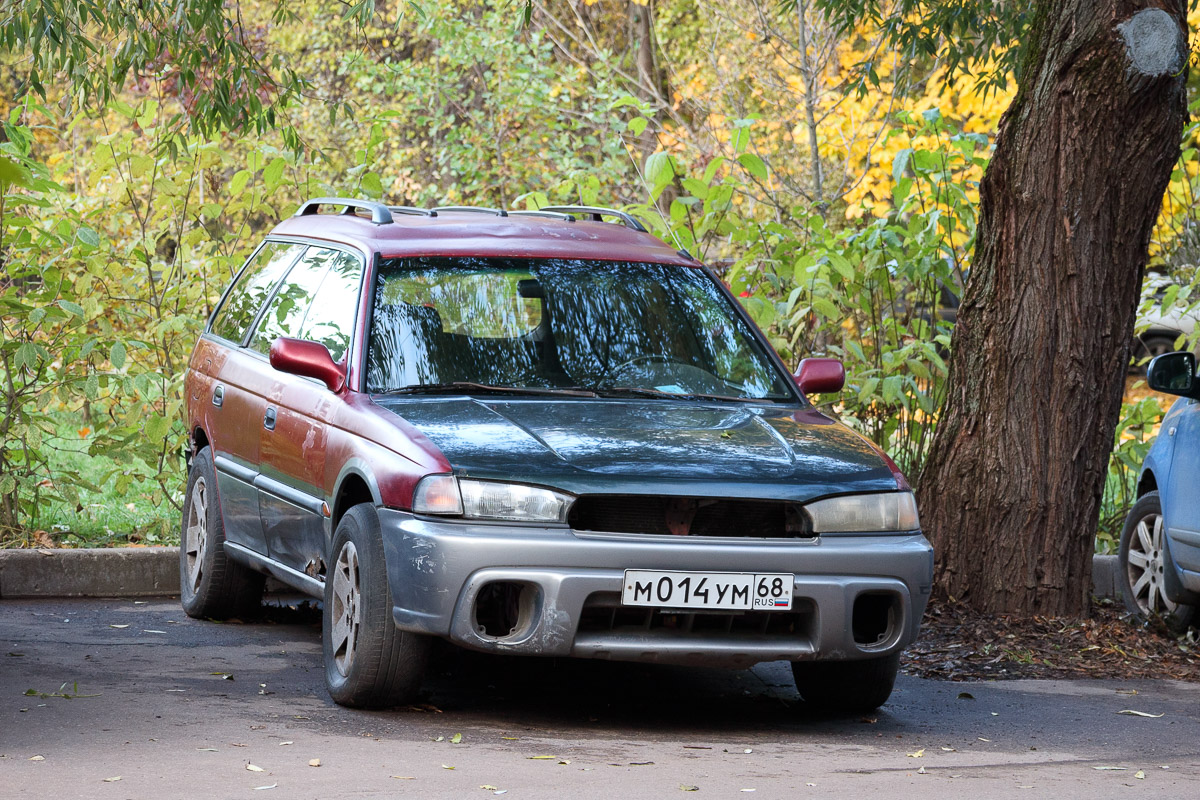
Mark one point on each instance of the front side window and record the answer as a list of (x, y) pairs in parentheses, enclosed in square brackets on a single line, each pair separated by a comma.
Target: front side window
[(605, 327), (330, 319), (252, 288)]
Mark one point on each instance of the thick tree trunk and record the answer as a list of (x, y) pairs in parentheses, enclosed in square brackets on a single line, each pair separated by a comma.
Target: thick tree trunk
[(1010, 494)]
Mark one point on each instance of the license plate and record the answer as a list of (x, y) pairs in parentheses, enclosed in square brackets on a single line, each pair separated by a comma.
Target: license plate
[(725, 591)]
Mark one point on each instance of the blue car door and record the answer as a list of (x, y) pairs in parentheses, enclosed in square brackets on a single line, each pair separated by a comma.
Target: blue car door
[(1181, 512)]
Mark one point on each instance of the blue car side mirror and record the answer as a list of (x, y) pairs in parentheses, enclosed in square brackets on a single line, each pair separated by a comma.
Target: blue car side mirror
[(1174, 373)]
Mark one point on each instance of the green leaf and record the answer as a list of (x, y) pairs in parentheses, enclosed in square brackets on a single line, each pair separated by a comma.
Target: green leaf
[(372, 184), (637, 125), (13, 173), (274, 171), (900, 163), (660, 169), (238, 183), (825, 307), (88, 236), (156, 428), (116, 356), (754, 165), (71, 308)]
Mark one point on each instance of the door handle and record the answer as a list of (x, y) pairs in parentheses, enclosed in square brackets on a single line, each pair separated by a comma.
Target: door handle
[(218, 395), (269, 419)]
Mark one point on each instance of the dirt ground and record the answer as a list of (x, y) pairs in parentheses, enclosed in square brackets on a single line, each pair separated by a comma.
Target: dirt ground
[(959, 644)]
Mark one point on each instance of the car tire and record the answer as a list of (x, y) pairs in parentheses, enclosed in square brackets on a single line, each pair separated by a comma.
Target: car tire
[(369, 662), (1141, 564), (210, 584), (846, 687)]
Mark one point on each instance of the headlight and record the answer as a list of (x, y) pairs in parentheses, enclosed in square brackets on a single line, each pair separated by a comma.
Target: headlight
[(444, 494), (865, 513)]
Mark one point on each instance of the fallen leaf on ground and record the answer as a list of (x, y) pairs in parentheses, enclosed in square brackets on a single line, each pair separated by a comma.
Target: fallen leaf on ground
[(260, 788), (315, 762), (404, 777), (38, 758), (116, 778), (542, 758), (511, 738), (1117, 769), (565, 761), (1141, 776), (440, 739), (640, 763), (1133, 713), (919, 754), (921, 771), (285, 744), (965, 696), (119, 626), (949, 749), (149, 631), (489, 787), (1126, 691), (253, 768), (980, 738), (446, 766), (456, 738), (686, 788)]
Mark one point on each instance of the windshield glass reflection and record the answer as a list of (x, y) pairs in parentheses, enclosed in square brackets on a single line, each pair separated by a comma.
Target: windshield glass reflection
[(608, 327)]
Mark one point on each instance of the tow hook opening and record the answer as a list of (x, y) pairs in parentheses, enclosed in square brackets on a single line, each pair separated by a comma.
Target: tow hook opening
[(505, 609), (874, 619)]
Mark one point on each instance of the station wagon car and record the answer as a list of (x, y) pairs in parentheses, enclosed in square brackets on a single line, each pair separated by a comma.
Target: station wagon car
[(543, 433)]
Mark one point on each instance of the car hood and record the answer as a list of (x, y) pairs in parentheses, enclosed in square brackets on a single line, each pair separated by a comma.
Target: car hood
[(586, 446)]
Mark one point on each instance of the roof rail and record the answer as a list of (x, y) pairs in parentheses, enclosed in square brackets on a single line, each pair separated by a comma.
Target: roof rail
[(380, 214), (499, 212), (419, 212), (543, 212), (597, 214)]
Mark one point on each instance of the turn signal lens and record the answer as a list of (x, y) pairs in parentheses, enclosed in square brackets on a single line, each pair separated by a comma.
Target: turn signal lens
[(437, 494), (890, 512)]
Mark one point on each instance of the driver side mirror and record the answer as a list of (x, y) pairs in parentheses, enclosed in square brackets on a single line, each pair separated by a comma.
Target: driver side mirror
[(820, 375), (307, 359), (1173, 373)]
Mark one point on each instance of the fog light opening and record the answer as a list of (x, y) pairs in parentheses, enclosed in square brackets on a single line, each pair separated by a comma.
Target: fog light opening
[(874, 619), (504, 608)]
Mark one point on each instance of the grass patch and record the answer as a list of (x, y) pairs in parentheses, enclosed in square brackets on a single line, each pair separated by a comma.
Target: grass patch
[(141, 515)]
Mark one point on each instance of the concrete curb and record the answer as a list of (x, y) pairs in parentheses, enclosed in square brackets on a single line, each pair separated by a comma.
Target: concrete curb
[(151, 571)]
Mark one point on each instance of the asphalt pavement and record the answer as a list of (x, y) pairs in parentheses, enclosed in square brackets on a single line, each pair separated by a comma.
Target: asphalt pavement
[(132, 699)]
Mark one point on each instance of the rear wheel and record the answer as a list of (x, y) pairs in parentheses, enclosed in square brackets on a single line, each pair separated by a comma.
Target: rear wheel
[(1141, 560), (846, 687), (210, 584), (369, 662)]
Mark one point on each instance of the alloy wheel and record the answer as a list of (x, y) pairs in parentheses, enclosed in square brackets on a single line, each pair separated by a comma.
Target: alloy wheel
[(347, 609), (1145, 565), (196, 535)]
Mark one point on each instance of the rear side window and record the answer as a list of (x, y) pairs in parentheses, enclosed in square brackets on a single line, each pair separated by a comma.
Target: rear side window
[(252, 288)]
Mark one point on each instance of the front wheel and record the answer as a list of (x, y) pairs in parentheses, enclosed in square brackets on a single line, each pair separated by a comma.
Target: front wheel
[(1141, 560), (846, 687), (369, 662)]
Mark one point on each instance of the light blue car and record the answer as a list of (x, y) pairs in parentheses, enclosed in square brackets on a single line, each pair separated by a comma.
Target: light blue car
[(1159, 554)]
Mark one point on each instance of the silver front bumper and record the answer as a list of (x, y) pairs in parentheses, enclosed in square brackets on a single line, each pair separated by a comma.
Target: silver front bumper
[(571, 587)]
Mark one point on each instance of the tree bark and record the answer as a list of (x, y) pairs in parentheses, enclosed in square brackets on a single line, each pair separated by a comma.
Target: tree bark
[(1010, 493)]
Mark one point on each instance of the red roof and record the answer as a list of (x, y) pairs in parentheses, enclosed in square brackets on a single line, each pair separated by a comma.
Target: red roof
[(467, 233)]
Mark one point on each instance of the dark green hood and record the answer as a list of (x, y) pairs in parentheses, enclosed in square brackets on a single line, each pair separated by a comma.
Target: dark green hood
[(608, 446)]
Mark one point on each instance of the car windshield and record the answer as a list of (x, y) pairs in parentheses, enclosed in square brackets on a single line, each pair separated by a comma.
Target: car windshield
[(584, 327)]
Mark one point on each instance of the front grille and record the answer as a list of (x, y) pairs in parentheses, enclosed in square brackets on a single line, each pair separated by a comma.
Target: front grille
[(689, 516), (603, 613)]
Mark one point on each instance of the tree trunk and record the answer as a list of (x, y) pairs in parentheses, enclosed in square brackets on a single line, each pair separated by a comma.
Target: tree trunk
[(1010, 493)]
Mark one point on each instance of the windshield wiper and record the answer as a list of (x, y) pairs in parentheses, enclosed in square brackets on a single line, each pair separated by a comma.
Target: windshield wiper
[(640, 391), (468, 387)]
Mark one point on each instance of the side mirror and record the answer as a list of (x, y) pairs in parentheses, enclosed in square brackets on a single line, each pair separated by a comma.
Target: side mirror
[(1173, 373), (308, 359), (820, 375)]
